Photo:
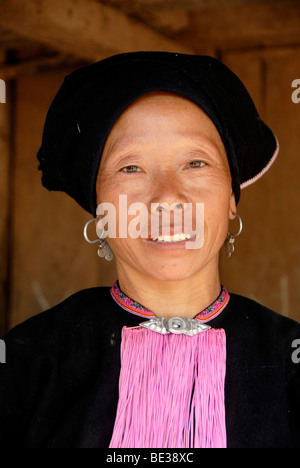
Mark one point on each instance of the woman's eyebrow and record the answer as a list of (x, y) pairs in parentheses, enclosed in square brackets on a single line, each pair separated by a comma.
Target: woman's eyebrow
[(211, 147), (128, 158), (123, 140), (203, 139)]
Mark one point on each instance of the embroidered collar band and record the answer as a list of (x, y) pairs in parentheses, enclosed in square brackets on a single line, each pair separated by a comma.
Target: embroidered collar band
[(175, 325)]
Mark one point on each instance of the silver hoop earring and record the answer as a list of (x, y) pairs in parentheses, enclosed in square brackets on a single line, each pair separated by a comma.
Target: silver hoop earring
[(229, 243), (103, 248)]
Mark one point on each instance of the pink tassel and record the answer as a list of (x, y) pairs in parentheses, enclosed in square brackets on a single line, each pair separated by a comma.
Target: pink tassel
[(171, 390)]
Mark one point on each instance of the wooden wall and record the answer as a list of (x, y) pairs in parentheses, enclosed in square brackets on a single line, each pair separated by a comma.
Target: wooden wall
[(5, 204), (42, 248), (266, 264), (51, 259)]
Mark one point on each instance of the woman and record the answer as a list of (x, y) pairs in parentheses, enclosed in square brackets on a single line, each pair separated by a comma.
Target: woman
[(166, 357)]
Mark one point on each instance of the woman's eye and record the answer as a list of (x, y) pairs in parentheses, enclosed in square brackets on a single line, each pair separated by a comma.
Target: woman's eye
[(197, 164), (130, 169)]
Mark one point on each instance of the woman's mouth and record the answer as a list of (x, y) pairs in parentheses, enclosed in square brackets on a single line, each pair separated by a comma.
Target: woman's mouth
[(179, 237)]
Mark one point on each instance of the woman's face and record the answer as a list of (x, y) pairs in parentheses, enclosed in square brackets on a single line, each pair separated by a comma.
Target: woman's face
[(165, 150)]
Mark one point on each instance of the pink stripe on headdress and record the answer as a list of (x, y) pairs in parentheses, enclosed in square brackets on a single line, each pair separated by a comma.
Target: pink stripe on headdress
[(171, 390), (264, 170)]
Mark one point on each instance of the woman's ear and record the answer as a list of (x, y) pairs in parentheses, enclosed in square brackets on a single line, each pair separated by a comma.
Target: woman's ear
[(232, 206)]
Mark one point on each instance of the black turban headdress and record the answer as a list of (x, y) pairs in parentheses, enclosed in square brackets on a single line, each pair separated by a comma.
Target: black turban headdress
[(92, 98)]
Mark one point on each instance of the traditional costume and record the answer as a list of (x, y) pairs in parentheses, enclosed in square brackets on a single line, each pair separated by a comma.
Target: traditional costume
[(99, 369)]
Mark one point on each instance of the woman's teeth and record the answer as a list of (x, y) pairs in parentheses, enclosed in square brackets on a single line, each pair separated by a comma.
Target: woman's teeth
[(174, 238)]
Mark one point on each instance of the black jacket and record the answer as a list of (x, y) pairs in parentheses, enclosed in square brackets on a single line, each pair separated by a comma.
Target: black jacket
[(59, 385)]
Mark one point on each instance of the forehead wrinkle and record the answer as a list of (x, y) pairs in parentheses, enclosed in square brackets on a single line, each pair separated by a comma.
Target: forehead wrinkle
[(129, 142), (212, 141), (116, 144)]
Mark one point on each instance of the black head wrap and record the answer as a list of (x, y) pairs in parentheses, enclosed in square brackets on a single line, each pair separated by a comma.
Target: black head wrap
[(92, 98)]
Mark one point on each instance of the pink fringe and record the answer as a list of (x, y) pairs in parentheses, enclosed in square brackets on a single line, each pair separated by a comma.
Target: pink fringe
[(171, 390)]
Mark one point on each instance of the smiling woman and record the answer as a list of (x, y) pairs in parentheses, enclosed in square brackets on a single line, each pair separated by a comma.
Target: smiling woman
[(166, 357), (152, 138)]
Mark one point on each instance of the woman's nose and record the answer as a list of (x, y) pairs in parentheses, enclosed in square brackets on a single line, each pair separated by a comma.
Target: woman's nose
[(167, 194), (157, 207)]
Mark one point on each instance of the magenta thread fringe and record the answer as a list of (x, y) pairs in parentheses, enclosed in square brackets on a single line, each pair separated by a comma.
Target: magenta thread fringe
[(171, 390)]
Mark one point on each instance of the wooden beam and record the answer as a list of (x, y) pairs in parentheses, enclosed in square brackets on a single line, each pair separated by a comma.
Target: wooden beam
[(85, 28), (132, 6), (5, 208), (38, 65), (245, 26)]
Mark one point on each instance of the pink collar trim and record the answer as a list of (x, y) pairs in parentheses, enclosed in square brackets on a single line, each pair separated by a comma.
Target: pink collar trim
[(135, 308)]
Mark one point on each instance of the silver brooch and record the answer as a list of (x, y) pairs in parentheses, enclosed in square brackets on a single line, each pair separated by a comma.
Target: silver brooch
[(175, 325)]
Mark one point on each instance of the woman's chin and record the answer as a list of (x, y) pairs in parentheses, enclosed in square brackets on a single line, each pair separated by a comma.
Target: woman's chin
[(174, 270), (164, 262)]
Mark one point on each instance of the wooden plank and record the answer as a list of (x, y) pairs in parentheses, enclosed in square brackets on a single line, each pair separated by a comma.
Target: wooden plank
[(40, 64), (51, 258), (169, 21), (10, 40), (5, 208), (265, 265), (245, 26), (85, 28), (139, 5)]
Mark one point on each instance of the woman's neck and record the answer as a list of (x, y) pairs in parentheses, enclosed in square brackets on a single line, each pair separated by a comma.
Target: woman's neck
[(184, 298)]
